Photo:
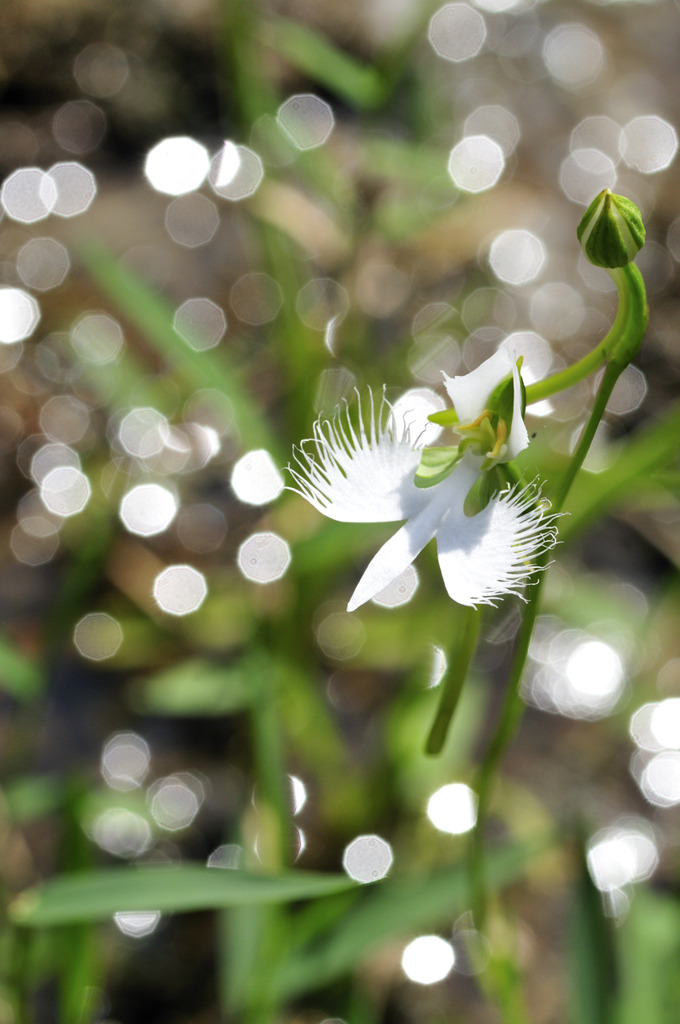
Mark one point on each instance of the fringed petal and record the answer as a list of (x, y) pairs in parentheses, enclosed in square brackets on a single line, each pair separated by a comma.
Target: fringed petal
[(361, 474), (493, 553)]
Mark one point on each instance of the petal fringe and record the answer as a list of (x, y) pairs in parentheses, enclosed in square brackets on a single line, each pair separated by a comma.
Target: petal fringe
[(494, 553), (362, 473)]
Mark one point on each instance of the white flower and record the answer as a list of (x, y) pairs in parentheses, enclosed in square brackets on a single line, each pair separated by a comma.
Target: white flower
[(366, 475)]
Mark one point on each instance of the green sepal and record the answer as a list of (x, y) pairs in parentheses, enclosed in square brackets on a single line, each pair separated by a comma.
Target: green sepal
[(482, 491), (436, 464), (444, 418), (611, 231)]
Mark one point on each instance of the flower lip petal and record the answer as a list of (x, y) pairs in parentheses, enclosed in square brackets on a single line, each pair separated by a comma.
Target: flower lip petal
[(405, 545), (493, 553)]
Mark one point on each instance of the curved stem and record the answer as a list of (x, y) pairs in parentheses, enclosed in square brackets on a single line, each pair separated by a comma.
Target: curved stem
[(571, 375), (617, 349)]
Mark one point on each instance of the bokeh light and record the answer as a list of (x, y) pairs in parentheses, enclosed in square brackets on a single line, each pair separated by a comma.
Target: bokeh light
[(649, 144), (321, 303), (367, 858), (97, 337), (410, 412), (256, 298), (476, 163), (438, 667), (263, 557), (143, 432), (97, 636), (19, 315), (192, 220), (660, 779), (43, 263), (201, 323), (517, 256), (174, 801), (307, 120), (65, 490), (28, 195), (51, 456), (496, 122), (255, 478), (148, 509), (64, 419), (597, 132), (453, 808), (125, 760), (75, 188), (236, 172), (574, 673), (428, 959), (228, 856), (79, 126), (298, 793), (101, 69), (399, 591), (573, 55), (585, 172), (121, 832), (180, 589), (457, 32), (137, 924), (622, 854), (177, 165), (340, 635)]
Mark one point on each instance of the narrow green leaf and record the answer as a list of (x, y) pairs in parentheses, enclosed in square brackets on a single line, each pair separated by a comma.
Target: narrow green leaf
[(392, 909), (196, 687), (359, 84), (19, 676), (593, 958), (649, 941), (96, 895)]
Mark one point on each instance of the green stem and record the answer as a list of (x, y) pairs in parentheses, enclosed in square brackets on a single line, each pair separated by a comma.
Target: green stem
[(510, 717), (618, 348), (596, 358), (463, 650)]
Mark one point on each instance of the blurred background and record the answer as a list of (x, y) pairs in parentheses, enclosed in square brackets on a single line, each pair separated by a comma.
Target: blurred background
[(218, 220)]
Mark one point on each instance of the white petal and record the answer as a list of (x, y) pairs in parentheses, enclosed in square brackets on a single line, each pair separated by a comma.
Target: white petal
[(470, 393), (518, 439), (360, 476), (485, 556), (400, 550)]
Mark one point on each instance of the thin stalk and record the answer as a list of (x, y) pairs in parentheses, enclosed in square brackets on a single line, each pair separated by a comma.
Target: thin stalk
[(621, 344), (463, 650), (590, 363)]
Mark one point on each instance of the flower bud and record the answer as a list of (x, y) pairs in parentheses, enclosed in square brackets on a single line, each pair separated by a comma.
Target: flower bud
[(611, 231)]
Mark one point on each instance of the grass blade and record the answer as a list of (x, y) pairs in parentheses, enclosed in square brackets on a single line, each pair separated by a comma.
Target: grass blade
[(97, 895)]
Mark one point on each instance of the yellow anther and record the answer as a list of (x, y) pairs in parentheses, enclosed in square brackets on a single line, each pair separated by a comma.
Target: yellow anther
[(501, 435), (475, 423)]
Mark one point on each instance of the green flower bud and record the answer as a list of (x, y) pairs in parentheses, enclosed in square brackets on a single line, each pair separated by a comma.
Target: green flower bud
[(611, 231)]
